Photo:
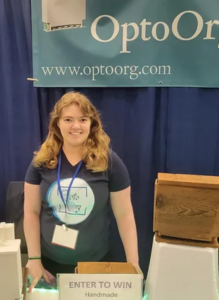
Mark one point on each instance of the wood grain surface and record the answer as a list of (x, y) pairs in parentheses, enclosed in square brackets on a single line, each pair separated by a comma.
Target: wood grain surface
[(188, 210), (105, 268), (188, 180)]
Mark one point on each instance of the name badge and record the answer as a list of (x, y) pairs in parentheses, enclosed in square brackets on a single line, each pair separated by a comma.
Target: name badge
[(65, 237)]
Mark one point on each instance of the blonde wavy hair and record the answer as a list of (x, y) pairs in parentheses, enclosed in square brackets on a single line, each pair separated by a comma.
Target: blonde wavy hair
[(96, 149)]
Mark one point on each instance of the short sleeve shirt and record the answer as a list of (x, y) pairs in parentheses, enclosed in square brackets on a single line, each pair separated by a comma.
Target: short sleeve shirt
[(87, 208)]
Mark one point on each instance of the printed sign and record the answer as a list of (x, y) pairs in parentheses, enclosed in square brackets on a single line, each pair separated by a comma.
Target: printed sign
[(98, 43), (100, 286)]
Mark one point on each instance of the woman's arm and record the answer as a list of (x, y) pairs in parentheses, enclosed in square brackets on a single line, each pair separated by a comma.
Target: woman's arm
[(32, 208), (123, 212)]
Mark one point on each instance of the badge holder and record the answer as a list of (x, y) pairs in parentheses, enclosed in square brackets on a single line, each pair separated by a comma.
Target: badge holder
[(65, 237)]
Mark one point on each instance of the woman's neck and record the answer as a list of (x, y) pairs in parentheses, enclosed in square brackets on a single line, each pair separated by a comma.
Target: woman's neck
[(71, 150), (73, 154)]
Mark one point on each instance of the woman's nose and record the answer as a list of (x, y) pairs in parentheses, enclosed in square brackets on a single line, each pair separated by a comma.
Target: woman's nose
[(76, 124)]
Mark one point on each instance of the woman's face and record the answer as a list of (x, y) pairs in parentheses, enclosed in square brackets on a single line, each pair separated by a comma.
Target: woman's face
[(74, 127)]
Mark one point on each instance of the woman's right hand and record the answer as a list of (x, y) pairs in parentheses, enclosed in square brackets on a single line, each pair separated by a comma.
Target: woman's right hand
[(36, 271)]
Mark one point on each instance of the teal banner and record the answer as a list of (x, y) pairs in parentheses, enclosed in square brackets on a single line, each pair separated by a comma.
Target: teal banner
[(123, 43)]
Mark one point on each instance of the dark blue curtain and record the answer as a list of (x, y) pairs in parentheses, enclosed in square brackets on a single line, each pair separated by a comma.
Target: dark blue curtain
[(152, 129)]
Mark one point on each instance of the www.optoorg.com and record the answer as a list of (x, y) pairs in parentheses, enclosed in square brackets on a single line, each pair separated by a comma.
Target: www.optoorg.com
[(132, 71)]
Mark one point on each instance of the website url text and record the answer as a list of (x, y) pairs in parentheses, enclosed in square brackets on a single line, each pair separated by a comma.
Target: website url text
[(132, 71)]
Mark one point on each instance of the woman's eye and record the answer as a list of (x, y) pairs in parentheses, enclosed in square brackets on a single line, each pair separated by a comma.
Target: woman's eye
[(84, 120), (67, 120)]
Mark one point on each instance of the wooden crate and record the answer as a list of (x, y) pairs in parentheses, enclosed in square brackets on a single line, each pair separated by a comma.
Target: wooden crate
[(186, 209), (105, 268)]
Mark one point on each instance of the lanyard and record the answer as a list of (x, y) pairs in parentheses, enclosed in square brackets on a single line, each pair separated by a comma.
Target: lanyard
[(58, 181)]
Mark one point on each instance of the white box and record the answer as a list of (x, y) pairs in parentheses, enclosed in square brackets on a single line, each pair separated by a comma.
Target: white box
[(178, 272), (10, 270), (7, 231), (100, 286), (61, 14)]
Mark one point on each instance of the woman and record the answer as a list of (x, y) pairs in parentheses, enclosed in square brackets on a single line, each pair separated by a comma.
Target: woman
[(68, 187)]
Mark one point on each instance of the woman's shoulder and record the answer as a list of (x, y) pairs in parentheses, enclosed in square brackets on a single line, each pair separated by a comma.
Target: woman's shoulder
[(118, 173), (33, 174), (114, 159)]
